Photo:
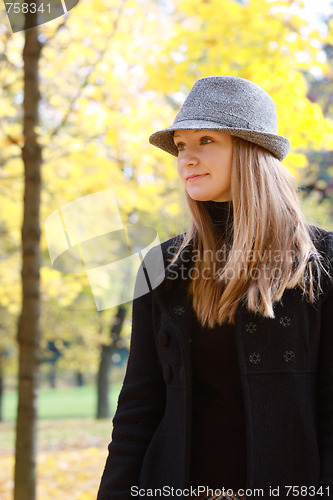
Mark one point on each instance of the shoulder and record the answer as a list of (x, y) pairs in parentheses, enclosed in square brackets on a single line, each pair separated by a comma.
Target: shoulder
[(323, 241), (167, 248), (170, 246), (156, 260)]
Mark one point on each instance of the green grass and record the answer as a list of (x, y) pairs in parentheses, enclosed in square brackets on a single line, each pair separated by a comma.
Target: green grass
[(72, 402), (54, 435)]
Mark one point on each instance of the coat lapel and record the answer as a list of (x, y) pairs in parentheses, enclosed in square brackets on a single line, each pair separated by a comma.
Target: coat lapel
[(172, 298)]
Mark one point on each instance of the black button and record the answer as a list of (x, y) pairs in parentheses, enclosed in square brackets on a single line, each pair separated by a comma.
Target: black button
[(289, 356), (255, 358), (251, 327), (167, 373), (285, 321), (179, 309)]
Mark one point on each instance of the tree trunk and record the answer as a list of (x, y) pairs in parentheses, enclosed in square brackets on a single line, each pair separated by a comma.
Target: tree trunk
[(1, 396), (53, 375), (103, 402), (28, 335), (103, 386), (79, 379)]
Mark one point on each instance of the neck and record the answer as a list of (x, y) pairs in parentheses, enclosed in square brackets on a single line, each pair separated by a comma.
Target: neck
[(221, 213)]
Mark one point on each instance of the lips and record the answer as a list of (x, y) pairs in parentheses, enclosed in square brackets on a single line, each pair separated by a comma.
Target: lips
[(195, 176)]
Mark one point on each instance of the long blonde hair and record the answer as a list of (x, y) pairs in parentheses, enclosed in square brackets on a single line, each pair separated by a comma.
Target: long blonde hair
[(267, 250)]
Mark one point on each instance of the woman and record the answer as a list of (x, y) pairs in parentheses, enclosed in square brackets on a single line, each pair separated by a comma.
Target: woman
[(228, 391)]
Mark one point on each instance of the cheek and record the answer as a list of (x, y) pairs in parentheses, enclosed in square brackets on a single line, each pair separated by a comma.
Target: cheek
[(227, 162), (180, 171)]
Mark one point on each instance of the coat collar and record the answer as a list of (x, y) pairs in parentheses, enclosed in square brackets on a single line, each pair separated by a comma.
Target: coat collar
[(183, 258)]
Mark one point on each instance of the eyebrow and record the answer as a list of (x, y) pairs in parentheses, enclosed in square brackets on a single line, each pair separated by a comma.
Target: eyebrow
[(195, 131)]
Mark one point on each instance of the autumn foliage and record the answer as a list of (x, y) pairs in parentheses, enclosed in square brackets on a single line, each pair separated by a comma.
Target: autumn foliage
[(110, 74)]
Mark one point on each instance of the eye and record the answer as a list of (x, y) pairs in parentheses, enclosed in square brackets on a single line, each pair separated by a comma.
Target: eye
[(206, 140), (180, 146)]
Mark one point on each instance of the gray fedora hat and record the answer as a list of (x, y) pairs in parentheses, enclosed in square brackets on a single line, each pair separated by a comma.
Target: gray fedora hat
[(228, 104)]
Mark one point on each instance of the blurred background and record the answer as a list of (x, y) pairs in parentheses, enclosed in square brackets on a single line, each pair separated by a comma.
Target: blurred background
[(79, 97)]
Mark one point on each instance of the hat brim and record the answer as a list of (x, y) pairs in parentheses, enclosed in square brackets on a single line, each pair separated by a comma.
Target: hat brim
[(278, 145)]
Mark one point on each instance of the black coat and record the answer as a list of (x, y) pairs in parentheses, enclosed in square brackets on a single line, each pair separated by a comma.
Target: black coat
[(286, 368)]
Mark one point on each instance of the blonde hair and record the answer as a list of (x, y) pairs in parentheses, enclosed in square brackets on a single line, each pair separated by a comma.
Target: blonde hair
[(268, 249)]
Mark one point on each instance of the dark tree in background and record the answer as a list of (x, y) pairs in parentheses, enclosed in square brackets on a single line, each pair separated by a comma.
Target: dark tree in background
[(319, 176), (28, 335), (107, 350)]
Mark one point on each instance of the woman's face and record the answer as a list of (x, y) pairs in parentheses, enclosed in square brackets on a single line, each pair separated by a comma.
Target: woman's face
[(204, 163)]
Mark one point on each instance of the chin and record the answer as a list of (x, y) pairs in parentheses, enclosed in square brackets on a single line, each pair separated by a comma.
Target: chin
[(207, 195), (199, 197)]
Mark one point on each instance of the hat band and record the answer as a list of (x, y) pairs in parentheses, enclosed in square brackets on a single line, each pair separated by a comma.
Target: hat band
[(229, 121)]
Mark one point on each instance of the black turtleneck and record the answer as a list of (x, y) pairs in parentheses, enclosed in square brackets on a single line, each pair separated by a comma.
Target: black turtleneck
[(218, 453), (221, 213)]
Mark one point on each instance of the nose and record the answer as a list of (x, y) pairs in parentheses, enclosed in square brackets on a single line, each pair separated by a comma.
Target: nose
[(188, 157)]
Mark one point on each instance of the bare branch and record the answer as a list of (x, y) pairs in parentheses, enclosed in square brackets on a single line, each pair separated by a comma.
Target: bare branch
[(90, 72), (59, 27), (12, 140)]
